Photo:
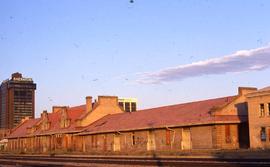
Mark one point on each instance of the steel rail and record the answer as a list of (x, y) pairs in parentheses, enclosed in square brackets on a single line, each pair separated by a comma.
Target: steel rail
[(135, 161)]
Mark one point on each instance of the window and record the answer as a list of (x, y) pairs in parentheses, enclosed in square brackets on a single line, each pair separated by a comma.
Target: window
[(127, 106), (227, 134), (268, 108), (168, 137), (121, 104), (59, 139), (16, 93), (133, 106), (92, 141), (269, 134), (263, 134), (262, 110), (20, 93), (133, 138)]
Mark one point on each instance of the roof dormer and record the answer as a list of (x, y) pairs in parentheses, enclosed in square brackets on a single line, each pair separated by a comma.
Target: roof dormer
[(64, 118), (45, 123)]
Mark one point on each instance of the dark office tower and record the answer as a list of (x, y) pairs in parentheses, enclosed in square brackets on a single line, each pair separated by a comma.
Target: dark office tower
[(17, 100)]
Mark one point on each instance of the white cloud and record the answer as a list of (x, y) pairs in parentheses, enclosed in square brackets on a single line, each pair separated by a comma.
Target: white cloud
[(240, 61)]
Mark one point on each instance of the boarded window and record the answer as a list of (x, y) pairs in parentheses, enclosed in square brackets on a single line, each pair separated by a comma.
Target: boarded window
[(201, 137), (263, 134), (227, 134), (151, 145), (186, 139), (58, 140), (269, 134), (66, 141), (168, 137), (262, 112), (116, 142), (104, 142), (94, 141)]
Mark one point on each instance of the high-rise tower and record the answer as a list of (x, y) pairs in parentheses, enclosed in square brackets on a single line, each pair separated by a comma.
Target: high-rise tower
[(17, 100)]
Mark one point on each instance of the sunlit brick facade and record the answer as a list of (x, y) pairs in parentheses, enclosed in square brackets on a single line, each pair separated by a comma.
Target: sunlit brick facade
[(259, 118), (103, 126)]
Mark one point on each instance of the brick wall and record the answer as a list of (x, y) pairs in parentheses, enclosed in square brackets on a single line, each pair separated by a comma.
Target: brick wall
[(201, 137), (166, 139), (257, 121), (223, 140)]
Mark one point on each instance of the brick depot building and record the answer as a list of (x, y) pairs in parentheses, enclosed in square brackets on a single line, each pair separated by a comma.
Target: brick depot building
[(103, 126)]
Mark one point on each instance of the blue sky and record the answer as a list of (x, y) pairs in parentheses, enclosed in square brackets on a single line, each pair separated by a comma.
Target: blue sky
[(98, 47)]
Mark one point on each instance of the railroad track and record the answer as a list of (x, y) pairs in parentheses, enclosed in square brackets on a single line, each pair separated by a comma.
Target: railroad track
[(70, 161)]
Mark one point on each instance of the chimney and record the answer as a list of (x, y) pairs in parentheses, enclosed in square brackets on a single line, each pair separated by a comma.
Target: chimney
[(108, 100), (246, 90), (44, 114), (57, 108), (88, 103)]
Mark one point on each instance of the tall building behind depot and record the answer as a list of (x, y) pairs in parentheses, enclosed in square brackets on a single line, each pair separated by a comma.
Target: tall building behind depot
[(17, 100)]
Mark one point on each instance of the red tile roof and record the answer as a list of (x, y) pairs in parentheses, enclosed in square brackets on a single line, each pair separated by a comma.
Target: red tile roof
[(94, 105), (21, 130), (193, 113), (73, 114), (264, 89), (54, 118)]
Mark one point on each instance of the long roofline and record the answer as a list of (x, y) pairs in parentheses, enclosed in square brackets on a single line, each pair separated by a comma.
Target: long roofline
[(159, 127), (197, 101), (264, 91), (80, 130)]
